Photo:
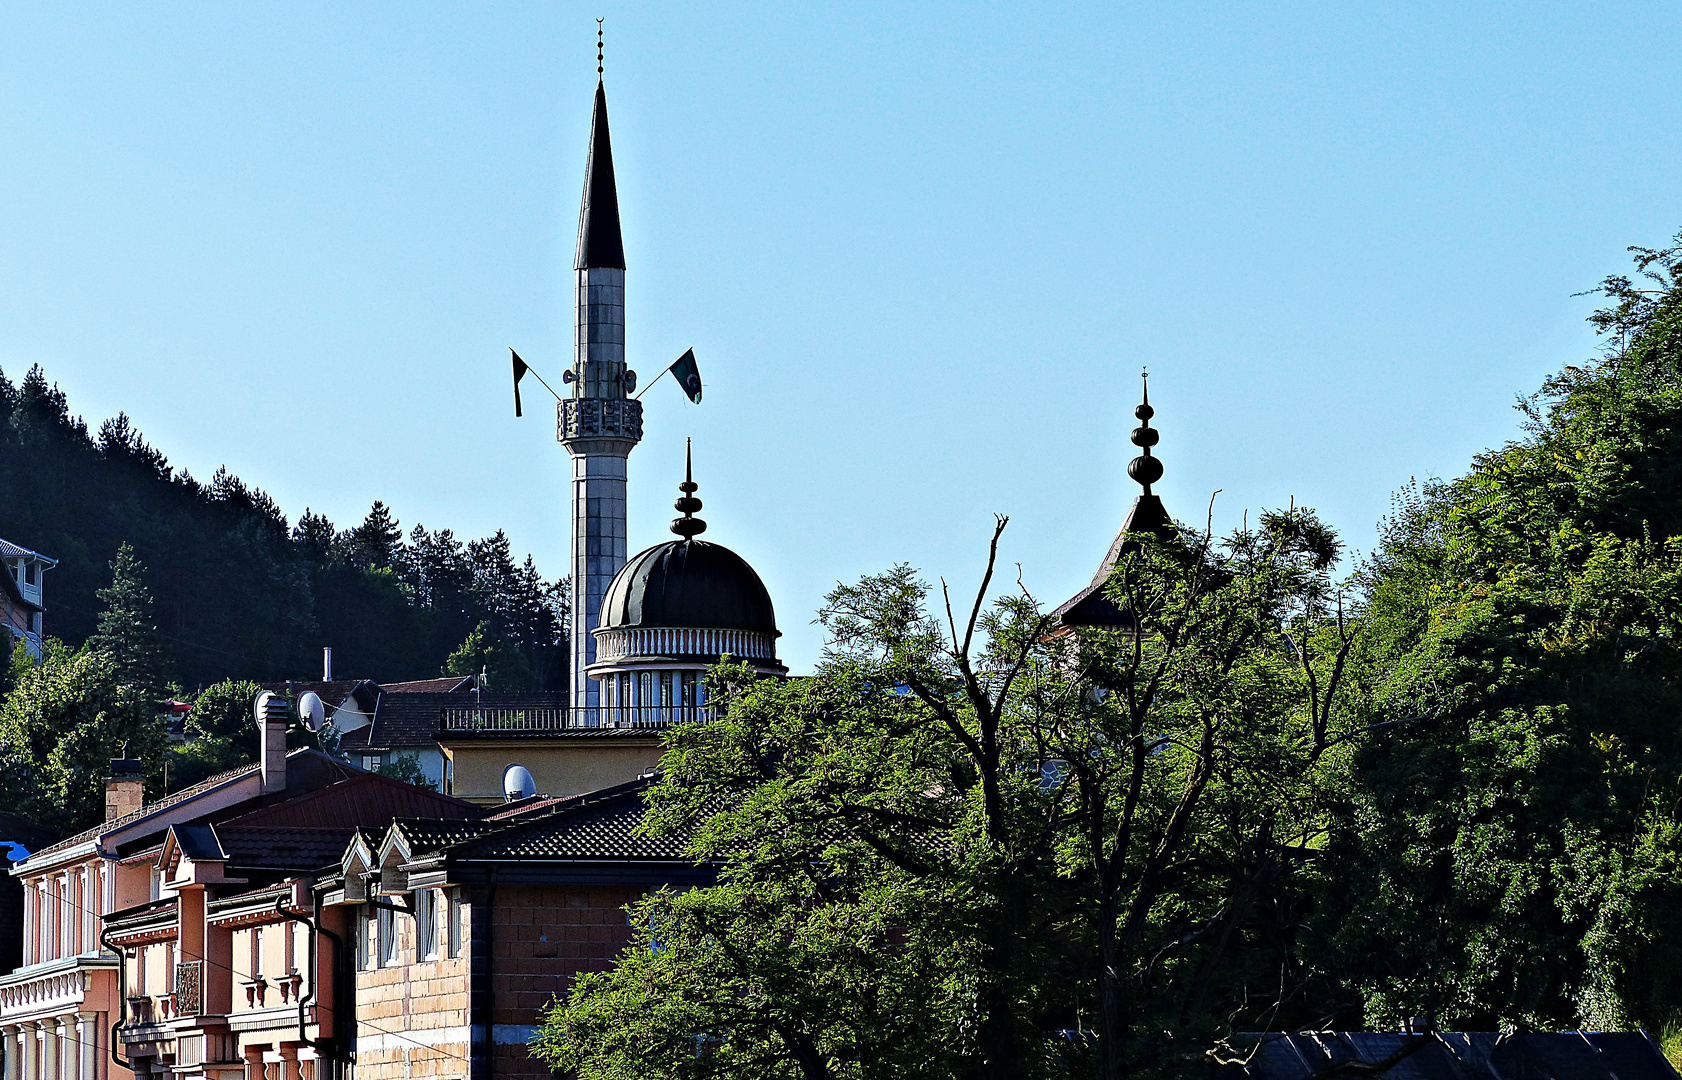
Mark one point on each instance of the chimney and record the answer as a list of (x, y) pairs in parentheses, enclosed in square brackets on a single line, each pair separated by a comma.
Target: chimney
[(125, 788), (272, 713), (327, 664)]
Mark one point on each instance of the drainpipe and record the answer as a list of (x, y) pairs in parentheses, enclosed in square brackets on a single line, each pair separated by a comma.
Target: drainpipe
[(304, 1000), (122, 998)]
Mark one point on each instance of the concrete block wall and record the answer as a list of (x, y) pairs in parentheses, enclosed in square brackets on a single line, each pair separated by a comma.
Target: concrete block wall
[(545, 935), (412, 1017)]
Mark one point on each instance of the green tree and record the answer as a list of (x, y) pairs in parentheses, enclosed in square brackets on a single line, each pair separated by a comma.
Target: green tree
[(59, 730), (127, 633), (984, 848), (486, 651), (221, 733), (1511, 859)]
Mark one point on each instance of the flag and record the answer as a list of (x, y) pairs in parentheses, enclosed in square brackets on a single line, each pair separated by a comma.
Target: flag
[(519, 373), (688, 375)]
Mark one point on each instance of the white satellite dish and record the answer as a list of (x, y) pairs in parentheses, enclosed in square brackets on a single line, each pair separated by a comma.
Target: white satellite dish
[(311, 711), (517, 783)]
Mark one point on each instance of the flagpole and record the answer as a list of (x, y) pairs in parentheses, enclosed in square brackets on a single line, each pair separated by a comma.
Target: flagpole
[(538, 377), (644, 390)]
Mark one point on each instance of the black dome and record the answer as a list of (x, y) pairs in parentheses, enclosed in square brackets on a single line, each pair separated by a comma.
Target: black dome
[(690, 584)]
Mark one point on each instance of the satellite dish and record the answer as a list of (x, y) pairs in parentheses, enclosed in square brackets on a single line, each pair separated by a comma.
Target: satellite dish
[(270, 706), (311, 711), (517, 783), (630, 380)]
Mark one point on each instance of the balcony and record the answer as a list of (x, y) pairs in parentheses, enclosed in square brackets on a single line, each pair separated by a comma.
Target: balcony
[(492, 720), (189, 988)]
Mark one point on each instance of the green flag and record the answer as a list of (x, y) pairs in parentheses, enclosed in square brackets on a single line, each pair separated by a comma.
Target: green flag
[(688, 375)]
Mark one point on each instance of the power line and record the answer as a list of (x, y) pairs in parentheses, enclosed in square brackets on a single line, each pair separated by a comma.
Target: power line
[(122, 990)]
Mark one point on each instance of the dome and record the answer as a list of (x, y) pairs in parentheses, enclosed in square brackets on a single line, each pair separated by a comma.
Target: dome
[(687, 584)]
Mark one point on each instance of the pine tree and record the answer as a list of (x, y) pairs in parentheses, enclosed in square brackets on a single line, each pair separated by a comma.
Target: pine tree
[(377, 542), (127, 634)]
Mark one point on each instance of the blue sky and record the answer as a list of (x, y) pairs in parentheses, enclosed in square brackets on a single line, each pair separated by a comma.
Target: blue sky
[(921, 253)]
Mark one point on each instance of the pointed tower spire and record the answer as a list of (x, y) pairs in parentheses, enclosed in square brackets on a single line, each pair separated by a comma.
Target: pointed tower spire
[(1090, 607), (599, 424), (599, 241), (688, 526)]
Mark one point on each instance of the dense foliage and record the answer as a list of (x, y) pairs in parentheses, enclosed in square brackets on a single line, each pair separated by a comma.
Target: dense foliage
[(1447, 788), (1514, 860), (237, 591), (981, 848)]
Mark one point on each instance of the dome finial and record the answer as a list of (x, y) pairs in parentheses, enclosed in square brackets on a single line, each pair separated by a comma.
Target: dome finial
[(688, 526), (1146, 469)]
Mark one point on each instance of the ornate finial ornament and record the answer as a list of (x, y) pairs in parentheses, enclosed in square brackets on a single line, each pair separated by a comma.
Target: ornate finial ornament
[(1145, 469), (688, 526), (598, 48)]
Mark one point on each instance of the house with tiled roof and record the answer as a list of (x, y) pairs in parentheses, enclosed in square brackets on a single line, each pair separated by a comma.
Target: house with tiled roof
[(21, 571), (232, 967), (465, 930), (58, 1008)]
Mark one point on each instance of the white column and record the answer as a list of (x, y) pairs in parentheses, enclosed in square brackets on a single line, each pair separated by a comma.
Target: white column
[(69, 1050), (10, 1034), (87, 1036), (28, 1052), (30, 915), (47, 1035)]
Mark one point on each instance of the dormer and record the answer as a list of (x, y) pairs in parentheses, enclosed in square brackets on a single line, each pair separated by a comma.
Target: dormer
[(192, 855)]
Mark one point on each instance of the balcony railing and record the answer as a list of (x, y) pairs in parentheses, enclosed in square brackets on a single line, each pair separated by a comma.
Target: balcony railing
[(536, 719), (189, 987)]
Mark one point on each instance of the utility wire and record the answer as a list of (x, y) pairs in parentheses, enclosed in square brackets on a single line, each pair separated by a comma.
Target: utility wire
[(76, 904)]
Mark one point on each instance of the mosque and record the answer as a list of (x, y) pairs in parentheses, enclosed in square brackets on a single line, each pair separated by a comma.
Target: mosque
[(646, 628)]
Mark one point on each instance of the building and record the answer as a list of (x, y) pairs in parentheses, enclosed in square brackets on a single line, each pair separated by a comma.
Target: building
[(467, 930), (673, 612), (1449, 1055), (57, 1008), (601, 423), (21, 571), (232, 969)]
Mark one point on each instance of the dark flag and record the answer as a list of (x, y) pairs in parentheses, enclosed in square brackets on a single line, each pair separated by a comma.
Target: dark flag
[(519, 373), (688, 375)]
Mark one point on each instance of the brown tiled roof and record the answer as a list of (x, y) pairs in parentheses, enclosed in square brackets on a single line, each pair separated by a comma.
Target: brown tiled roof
[(365, 800), (295, 849), (594, 826), (332, 694), (149, 809), (447, 685), (433, 835)]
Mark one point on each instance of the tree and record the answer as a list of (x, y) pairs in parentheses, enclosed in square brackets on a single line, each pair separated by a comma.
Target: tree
[(221, 733), (486, 651), (59, 730), (407, 768), (1511, 860), (988, 848), (127, 633)]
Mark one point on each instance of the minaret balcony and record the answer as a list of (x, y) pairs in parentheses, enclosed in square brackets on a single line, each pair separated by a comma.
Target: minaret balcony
[(599, 418)]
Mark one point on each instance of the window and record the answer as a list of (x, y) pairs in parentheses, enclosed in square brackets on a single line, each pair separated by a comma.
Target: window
[(455, 923), (363, 954), (370, 762), (386, 936), (426, 924)]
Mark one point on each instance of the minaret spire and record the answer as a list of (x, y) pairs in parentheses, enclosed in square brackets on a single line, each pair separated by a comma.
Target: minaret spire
[(599, 424), (688, 526)]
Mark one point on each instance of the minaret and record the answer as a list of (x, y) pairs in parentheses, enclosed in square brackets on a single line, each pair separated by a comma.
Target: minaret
[(598, 425)]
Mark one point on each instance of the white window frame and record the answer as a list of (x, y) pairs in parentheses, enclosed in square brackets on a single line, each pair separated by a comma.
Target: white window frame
[(426, 924), (454, 928), (385, 937)]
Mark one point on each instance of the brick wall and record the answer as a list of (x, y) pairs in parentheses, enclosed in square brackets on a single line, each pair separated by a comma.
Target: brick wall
[(544, 935), (411, 1016)]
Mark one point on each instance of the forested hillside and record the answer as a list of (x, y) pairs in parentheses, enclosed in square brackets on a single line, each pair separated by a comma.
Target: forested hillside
[(240, 591)]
